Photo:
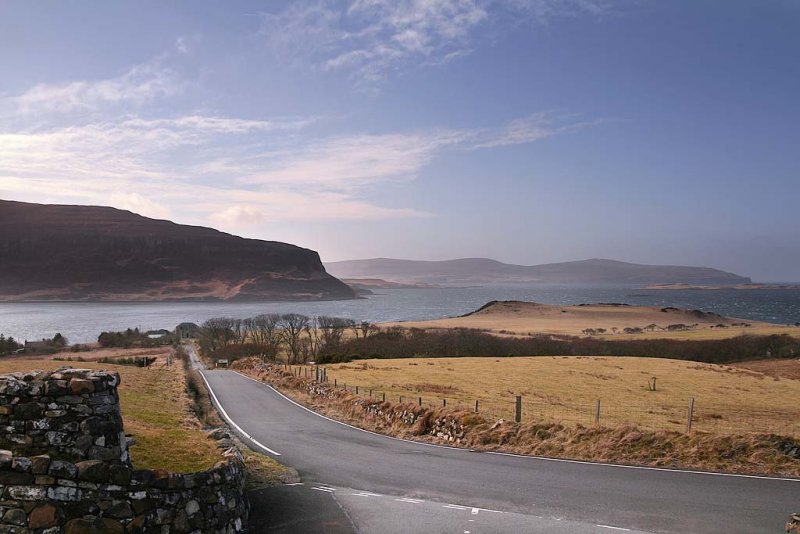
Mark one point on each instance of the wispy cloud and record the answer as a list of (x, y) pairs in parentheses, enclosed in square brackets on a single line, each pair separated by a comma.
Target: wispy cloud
[(139, 85), (229, 171), (371, 38)]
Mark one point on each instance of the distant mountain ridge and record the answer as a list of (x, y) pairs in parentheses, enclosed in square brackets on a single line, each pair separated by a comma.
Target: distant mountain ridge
[(76, 253), (484, 271)]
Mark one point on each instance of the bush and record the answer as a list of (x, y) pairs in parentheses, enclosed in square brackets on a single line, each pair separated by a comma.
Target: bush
[(399, 343)]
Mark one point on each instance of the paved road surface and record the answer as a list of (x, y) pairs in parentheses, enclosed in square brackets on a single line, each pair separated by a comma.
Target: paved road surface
[(536, 493)]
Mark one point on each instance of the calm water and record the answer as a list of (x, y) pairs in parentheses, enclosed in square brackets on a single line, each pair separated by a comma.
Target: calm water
[(82, 322)]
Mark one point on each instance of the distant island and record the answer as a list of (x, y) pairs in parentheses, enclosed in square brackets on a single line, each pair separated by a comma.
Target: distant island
[(86, 253), (737, 286), (482, 271)]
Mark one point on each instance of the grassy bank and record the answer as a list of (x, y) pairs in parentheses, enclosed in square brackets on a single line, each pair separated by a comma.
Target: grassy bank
[(751, 453), (155, 410), (727, 399)]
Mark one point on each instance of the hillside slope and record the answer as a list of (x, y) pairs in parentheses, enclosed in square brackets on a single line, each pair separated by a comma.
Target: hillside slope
[(72, 253), (482, 271)]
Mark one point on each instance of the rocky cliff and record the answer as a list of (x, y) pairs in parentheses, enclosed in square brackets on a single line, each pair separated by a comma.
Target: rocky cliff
[(74, 253)]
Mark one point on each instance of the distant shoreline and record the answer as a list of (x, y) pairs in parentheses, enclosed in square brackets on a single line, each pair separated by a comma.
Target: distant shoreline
[(713, 287)]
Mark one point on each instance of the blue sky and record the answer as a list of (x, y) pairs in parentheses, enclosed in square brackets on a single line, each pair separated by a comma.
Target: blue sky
[(529, 131)]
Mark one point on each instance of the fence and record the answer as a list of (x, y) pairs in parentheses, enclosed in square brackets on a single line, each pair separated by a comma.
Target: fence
[(692, 415)]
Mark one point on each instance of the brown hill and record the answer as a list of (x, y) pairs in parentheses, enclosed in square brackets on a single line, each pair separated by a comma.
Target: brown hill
[(71, 253)]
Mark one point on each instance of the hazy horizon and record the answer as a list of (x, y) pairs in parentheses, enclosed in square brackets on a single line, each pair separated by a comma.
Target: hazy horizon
[(525, 131)]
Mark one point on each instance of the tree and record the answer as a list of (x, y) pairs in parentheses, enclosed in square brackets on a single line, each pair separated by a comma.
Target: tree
[(265, 332), (216, 333), (293, 325), (59, 340), (332, 330)]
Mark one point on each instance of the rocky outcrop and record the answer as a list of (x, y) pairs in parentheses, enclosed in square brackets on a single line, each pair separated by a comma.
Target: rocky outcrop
[(73, 253), (69, 471)]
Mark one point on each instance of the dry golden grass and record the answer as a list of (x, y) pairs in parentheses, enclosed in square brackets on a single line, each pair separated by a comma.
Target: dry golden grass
[(155, 410), (751, 453), (775, 368), (727, 399), (524, 318)]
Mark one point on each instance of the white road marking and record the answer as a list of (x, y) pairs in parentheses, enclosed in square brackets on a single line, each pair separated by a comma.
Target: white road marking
[(475, 511), (326, 490), (294, 484), (231, 421), (641, 467), (408, 500), (454, 507), (545, 458), (351, 426), (614, 528), (366, 494)]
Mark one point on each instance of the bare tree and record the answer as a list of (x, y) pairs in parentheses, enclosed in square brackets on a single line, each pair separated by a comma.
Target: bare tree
[(293, 325), (264, 331), (217, 333), (332, 331)]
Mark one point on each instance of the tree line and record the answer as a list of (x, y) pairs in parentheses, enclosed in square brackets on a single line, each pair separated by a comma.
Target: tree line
[(399, 342), (300, 337), (8, 345)]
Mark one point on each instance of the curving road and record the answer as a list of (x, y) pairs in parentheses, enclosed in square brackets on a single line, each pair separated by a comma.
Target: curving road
[(534, 494)]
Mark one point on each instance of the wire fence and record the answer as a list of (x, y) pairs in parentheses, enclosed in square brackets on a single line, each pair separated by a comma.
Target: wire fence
[(692, 415)]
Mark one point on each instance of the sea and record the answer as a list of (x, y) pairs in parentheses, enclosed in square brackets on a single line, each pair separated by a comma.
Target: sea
[(82, 322)]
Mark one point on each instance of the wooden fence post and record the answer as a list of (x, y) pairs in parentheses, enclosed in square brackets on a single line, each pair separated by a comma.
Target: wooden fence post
[(420, 401), (444, 403), (597, 412), (690, 416), (476, 405), (384, 396), (518, 410), (356, 390)]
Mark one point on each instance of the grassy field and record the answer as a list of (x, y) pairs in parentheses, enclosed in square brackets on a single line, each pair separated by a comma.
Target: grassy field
[(155, 411), (727, 399)]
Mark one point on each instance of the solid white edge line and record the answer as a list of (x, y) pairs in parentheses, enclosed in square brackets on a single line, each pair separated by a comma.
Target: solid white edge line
[(231, 421), (348, 425), (642, 467), (564, 460)]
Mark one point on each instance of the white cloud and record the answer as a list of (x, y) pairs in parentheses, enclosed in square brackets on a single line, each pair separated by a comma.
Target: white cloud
[(370, 38), (138, 85)]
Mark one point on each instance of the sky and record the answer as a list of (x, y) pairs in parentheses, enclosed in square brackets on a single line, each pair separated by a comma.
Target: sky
[(528, 131)]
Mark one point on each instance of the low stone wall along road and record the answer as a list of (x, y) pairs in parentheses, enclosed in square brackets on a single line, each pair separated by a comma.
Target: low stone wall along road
[(373, 478)]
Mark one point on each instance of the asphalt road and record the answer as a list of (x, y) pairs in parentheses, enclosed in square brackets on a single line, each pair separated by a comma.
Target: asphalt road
[(590, 497)]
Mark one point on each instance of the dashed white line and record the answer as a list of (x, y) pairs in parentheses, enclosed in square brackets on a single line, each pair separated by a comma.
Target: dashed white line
[(366, 494), (454, 507), (614, 528), (294, 484), (326, 490), (408, 500), (228, 418)]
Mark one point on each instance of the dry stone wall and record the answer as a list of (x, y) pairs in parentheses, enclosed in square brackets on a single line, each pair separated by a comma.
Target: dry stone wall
[(66, 467)]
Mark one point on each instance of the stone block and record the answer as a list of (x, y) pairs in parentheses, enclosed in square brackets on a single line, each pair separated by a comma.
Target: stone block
[(79, 386), (15, 516), (21, 464), (40, 464), (62, 469), (92, 471), (45, 515), (26, 493)]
